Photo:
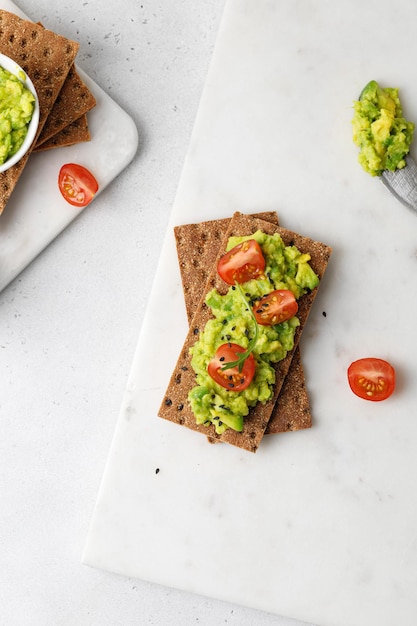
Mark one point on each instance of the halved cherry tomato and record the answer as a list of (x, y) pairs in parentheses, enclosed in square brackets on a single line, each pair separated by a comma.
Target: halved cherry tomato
[(242, 263), (371, 379), (275, 307), (77, 184), (231, 378)]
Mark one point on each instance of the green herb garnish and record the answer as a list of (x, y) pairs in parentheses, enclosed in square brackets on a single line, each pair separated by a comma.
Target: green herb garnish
[(244, 355)]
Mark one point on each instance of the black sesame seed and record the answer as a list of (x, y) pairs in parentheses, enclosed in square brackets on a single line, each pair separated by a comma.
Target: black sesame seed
[(220, 423), (157, 470), (196, 331), (324, 314), (168, 402), (221, 358), (180, 407), (234, 328), (228, 337)]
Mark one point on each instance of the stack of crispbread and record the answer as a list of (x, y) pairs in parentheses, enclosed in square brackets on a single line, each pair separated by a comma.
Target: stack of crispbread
[(67, 121), (76, 132), (48, 59), (199, 248)]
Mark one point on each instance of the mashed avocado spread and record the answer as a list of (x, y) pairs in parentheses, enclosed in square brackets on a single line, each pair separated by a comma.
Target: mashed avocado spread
[(286, 268), (16, 110), (380, 130)]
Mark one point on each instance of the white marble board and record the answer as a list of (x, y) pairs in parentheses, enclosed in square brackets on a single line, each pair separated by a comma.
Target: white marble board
[(318, 525), (36, 212)]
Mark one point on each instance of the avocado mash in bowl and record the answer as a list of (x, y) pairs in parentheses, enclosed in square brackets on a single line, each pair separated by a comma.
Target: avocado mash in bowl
[(19, 113), (380, 130)]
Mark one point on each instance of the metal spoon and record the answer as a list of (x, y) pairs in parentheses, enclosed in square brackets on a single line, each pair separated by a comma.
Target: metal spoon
[(403, 183)]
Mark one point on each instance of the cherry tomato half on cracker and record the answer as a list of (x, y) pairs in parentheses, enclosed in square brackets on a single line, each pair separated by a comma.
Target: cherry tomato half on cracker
[(77, 185), (371, 379), (231, 378), (275, 307), (242, 263)]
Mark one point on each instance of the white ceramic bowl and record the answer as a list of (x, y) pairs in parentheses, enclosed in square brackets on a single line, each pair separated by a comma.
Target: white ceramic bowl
[(12, 67)]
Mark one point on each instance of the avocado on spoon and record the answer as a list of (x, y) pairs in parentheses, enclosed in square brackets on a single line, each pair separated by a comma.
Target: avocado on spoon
[(384, 137)]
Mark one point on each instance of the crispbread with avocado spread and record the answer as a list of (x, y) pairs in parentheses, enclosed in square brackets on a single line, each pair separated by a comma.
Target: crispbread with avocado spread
[(46, 57), (175, 405), (197, 249)]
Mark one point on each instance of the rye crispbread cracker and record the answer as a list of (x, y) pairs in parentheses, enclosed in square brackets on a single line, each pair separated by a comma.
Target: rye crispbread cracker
[(73, 101), (46, 57), (175, 406), (197, 249), (74, 133)]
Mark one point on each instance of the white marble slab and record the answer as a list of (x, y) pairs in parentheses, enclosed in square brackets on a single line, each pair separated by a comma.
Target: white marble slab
[(318, 525), (36, 212)]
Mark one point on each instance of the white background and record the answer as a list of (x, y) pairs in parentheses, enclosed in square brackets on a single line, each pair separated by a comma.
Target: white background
[(69, 325)]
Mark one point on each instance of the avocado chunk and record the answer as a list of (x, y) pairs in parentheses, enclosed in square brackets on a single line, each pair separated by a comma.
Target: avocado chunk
[(380, 131)]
